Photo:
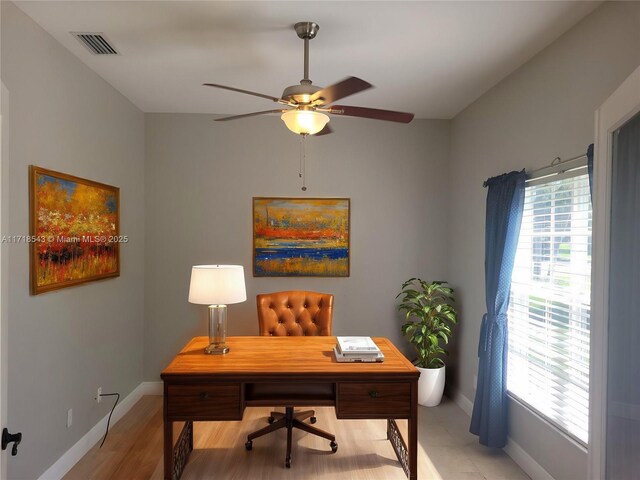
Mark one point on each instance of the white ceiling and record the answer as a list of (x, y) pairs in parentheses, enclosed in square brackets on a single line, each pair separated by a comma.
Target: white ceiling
[(430, 58)]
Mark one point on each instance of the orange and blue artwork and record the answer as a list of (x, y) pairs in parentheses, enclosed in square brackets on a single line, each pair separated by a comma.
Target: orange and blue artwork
[(74, 230), (301, 237)]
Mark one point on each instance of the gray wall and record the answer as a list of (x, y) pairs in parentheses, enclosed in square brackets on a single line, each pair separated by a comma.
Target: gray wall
[(543, 110), (63, 345), (417, 209), (200, 179)]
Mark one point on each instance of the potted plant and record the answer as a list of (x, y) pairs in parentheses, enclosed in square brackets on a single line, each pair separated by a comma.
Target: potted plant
[(429, 318)]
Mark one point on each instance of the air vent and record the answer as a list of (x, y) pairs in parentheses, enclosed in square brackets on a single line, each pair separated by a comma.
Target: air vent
[(96, 43)]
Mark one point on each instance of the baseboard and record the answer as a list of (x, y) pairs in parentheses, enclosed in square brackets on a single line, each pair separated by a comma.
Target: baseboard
[(152, 388), (526, 461), (463, 402), (82, 446), (515, 451)]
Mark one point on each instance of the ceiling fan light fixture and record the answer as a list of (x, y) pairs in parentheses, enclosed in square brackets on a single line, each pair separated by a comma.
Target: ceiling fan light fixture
[(304, 122)]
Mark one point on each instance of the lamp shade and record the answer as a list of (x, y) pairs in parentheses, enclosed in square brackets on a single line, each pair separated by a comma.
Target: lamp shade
[(217, 285), (304, 122)]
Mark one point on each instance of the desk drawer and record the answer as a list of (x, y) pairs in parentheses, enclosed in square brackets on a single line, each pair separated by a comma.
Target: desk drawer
[(373, 400), (207, 401)]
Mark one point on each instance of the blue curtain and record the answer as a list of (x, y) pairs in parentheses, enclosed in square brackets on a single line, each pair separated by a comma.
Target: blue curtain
[(590, 168), (505, 202)]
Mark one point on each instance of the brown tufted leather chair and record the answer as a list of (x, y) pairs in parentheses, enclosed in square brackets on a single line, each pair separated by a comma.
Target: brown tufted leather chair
[(294, 313)]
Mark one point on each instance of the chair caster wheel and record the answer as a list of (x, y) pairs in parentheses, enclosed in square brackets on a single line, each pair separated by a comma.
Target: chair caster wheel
[(334, 447), (271, 420), (248, 445), (287, 462), (313, 420)]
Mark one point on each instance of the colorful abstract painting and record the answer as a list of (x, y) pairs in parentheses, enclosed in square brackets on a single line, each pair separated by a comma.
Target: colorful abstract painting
[(74, 234), (301, 237)]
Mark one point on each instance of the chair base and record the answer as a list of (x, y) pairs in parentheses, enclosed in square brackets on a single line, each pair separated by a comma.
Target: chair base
[(297, 415), (291, 420)]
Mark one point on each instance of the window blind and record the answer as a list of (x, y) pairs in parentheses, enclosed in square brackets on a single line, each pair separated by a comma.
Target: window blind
[(549, 310)]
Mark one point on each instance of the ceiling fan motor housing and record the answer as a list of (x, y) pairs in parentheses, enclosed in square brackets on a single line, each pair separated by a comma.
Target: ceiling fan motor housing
[(300, 93)]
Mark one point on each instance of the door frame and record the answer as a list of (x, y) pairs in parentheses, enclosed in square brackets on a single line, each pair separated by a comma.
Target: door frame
[(619, 108), (4, 108)]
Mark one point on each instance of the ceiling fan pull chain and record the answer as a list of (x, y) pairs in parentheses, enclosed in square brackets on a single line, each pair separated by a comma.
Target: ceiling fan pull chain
[(301, 153), (303, 160)]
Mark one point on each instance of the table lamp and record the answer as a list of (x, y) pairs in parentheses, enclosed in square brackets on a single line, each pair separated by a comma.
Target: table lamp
[(217, 286)]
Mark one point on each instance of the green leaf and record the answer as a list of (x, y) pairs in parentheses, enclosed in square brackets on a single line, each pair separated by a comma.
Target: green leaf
[(429, 315), (436, 363)]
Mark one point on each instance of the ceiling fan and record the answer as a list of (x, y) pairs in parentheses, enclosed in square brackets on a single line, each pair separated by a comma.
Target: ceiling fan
[(308, 105)]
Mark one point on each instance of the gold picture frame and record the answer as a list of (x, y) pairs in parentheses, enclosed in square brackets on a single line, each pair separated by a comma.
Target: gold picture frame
[(301, 237), (74, 229)]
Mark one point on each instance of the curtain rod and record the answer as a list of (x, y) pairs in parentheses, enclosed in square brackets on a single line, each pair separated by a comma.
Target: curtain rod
[(554, 163), (557, 161)]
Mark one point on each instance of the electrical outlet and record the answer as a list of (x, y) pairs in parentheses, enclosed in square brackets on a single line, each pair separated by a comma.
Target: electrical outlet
[(98, 397), (69, 417)]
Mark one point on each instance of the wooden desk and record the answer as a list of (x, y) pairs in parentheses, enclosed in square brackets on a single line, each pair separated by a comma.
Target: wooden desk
[(281, 371)]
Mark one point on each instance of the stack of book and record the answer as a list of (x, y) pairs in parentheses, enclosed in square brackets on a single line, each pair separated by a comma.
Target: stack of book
[(357, 349)]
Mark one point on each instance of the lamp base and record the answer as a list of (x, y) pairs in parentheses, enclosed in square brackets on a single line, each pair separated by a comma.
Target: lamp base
[(217, 330), (214, 349)]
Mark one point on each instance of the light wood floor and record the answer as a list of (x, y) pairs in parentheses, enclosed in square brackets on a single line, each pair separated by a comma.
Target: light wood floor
[(133, 450)]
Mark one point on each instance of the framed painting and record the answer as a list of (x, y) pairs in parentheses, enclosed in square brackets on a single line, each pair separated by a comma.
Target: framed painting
[(301, 237), (74, 230)]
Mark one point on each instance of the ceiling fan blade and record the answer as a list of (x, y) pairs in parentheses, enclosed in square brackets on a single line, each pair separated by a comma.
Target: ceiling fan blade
[(235, 117), (374, 113), (239, 90), (344, 88), (325, 131)]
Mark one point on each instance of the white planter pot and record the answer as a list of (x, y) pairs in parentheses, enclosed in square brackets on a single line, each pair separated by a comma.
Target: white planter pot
[(430, 386)]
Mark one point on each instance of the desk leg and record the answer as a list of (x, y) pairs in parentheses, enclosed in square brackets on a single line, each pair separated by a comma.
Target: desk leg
[(168, 450), (413, 433), (413, 442), (399, 446), (407, 456), (175, 458)]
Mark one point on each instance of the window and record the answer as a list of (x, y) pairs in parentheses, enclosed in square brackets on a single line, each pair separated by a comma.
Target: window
[(549, 311)]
